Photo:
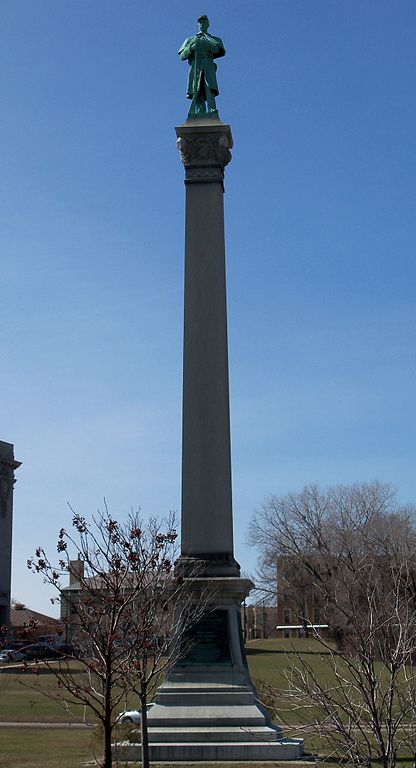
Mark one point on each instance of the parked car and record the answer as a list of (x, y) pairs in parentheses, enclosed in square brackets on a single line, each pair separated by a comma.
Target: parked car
[(17, 655), (8, 655), (42, 650), (63, 649), (37, 651), (132, 715)]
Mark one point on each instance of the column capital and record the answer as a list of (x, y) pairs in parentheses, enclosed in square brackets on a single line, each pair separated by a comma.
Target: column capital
[(204, 147)]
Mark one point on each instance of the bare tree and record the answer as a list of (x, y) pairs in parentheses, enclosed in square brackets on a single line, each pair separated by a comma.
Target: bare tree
[(122, 615), (358, 548)]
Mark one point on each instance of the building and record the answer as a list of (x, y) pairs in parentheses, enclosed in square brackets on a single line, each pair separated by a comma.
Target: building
[(70, 596), (87, 598), (259, 621), (264, 621), (32, 626), (8, 465)]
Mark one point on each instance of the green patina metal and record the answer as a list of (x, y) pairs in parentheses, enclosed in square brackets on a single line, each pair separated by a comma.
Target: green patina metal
[(200, 51)]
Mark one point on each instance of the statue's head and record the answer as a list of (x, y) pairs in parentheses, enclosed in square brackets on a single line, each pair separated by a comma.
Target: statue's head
[(203, 23)]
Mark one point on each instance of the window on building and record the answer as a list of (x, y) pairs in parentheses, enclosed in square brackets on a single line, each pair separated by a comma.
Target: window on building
[(286, 616)]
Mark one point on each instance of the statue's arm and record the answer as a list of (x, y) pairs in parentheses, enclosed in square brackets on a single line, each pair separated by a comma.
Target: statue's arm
[(219, 47), (185, 50)]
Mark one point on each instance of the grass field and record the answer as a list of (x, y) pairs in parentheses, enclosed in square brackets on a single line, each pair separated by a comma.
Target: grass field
[(22, 695), (33, 748), (47, 749), (22, 700), (269, 659)]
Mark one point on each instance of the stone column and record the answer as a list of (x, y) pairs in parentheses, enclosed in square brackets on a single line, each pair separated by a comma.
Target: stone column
[(207, 709), (7, 481), (207, 528)]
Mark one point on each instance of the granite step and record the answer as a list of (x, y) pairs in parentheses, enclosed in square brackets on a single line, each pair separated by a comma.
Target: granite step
[(205, 697), (215, 733), (284, 749), (216, 714)]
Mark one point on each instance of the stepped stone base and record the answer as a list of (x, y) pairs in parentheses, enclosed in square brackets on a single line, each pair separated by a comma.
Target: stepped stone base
[(210, 711), (231, 725), (206, 751), (211, 721)]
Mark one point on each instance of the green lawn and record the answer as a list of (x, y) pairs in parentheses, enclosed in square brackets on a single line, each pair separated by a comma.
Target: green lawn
[(269, 659), (32, 748), (21, 699)]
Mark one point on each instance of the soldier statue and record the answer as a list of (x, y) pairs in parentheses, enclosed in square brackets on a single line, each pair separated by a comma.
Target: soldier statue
[(201, 50)]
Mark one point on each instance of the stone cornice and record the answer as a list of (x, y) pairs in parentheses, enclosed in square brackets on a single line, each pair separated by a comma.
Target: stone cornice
[(204, 147), (11, 463)]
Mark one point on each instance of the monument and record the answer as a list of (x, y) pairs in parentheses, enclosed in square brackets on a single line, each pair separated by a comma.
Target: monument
[(8, 465), (201, 50), (207, 708)]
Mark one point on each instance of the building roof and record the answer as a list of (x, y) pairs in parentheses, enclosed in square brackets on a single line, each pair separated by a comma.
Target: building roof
[(21, 617)]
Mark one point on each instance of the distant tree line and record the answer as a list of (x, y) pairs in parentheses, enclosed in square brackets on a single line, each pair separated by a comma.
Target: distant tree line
[(354, 549)]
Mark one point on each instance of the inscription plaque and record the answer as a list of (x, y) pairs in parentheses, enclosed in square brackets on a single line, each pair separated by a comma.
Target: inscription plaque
[(207, 642)]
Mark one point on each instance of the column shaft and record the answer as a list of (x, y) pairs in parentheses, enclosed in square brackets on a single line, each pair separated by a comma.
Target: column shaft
[(206, 462), (207, 526)]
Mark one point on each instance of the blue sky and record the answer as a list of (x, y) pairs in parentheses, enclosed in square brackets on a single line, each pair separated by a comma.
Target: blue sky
[(320, 227)]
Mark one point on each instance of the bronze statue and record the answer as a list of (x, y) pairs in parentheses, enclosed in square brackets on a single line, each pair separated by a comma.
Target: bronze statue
[(201, 50)]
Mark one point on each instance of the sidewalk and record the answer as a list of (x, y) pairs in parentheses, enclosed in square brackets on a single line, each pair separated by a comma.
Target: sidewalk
[(65, 726)]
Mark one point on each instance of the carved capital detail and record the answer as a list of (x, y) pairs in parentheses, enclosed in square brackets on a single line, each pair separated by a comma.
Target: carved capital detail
[(207, 173), (204, 149)]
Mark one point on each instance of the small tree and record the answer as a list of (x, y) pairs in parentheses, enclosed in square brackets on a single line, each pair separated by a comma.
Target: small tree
[(121, 616), (357, 547)]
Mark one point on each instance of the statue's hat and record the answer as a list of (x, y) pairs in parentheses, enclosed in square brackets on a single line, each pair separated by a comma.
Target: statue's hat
[(203, 17)]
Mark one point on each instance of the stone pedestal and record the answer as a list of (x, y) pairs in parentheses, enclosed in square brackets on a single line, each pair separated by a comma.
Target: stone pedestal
[(207, 708)]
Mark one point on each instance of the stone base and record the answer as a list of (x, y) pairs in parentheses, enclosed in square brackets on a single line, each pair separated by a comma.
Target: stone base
[(210, 711), (208, 566), (211, 720), (243, 752)]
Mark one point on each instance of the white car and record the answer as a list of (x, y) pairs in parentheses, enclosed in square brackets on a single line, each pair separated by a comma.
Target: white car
[(132, 715)]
